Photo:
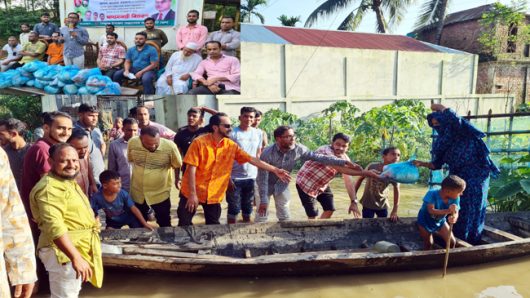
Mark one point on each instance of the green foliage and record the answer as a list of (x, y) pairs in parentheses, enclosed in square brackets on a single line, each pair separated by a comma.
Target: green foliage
[(249, 9), (496, 25), (11, 19), (288, 21), (402, 124), (24, 108), (511, 191)]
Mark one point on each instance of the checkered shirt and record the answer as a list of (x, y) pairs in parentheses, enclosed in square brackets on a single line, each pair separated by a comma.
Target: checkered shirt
[(314, 177), (109, 55)]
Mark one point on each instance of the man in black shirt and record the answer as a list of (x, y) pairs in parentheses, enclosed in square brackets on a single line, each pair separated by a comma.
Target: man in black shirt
[(186, 134)]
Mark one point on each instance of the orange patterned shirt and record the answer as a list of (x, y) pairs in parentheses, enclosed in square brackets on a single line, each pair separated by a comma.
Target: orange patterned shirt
[(214, 164)]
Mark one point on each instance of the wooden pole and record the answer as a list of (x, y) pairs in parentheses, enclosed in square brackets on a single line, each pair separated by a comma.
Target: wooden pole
[(447, 246)]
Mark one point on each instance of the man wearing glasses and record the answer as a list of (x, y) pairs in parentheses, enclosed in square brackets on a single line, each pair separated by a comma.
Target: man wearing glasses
[(209, 162), (284, 154)]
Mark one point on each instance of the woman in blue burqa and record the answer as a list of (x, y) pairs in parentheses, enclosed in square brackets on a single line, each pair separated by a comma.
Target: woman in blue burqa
[(459, 145)]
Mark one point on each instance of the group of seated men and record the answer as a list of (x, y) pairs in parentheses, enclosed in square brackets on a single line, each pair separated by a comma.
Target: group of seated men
[(185, 72)]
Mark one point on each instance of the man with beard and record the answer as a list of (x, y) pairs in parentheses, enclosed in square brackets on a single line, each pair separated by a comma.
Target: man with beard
[(33, 50), (186, 134), (69, 245), (285, 153), (141, 63), (223, 72), (88, 121), (312, 181), (178, 69), (55, 50), (118, 153), (57, 129), (24, 35), (156, 35), (165, 13), (154, 159), (12, 140), (44, 29), (111, 56), (12, 53), (75, 38), (192, 32), (227, 36), (85, 178), (142, 116), (109, 28), (209, 162)]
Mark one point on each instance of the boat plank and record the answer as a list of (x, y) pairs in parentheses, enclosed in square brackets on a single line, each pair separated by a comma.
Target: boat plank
[(500, 235), (165, 253), (519, 223)]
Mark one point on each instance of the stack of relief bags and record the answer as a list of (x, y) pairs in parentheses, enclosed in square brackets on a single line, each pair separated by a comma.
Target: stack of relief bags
[(57, 79)]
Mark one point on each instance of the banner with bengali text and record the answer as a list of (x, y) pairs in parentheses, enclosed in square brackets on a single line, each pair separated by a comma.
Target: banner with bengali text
[(128, 13)]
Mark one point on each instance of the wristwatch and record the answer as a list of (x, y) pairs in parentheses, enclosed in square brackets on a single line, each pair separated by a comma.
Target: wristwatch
[(354, 201)]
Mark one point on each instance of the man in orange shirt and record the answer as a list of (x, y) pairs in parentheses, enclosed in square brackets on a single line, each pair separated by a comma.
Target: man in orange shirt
[(209, 162), (55, 50)]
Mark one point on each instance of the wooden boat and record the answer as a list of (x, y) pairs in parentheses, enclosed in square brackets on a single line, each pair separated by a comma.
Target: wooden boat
[(306, 247)]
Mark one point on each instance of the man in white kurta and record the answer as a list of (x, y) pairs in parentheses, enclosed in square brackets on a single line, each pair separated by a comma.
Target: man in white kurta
[(175, 79), (17, 252)]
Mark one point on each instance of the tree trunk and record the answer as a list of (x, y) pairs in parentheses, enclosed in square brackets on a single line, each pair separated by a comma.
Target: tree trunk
[(381, 24), (441, 22)]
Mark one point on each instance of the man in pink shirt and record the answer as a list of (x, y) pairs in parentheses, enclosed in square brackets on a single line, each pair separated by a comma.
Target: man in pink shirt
[(192, 32), (223, 73), (142, 116)]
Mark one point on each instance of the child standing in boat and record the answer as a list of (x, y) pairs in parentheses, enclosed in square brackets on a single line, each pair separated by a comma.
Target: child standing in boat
[(117, 204), (437, 204), (376, 191)]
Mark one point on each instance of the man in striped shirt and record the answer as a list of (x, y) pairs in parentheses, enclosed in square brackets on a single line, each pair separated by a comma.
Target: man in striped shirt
[(312, 181), (284, 154)]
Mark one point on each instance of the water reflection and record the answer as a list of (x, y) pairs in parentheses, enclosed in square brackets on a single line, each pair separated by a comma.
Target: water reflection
[(499, 279)]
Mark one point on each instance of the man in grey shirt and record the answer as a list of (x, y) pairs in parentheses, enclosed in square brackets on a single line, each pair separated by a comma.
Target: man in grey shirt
[(88, 120), (12, 140), (227, 36), (118, 161), (44, 29), (284, 154), (75, 38)]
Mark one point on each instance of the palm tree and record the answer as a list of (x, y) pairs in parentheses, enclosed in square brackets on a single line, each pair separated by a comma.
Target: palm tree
[(433, 13), (394, 8), (249, 9), (288, 21)]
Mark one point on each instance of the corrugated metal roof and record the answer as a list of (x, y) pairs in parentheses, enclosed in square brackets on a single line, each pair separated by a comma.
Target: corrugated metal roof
[(468, 14), (258, 33), (344, 39)]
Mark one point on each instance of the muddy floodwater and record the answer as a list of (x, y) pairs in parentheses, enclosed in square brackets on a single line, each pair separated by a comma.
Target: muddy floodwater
[(504, 279)]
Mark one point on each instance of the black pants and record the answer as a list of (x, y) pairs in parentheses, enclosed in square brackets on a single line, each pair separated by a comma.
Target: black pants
[(204, 90), (212, 213), (161, 209)]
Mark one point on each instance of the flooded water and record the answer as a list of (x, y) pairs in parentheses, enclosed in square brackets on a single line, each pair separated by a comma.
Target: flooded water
[(505, 279)]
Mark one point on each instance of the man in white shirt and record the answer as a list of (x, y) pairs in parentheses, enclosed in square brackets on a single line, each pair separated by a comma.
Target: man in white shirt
[(12, 48), (109, 28), (175, 79)]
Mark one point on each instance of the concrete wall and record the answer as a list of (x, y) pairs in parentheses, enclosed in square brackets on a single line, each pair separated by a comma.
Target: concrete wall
[(128, 32), (306, 79)]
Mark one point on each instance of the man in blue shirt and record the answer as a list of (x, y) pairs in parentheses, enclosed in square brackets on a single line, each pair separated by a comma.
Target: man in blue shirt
[(45, 29), (75, 38), (141, 63)]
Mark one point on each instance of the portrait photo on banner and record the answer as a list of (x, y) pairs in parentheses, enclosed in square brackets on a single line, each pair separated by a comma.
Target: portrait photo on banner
[(128, 13)]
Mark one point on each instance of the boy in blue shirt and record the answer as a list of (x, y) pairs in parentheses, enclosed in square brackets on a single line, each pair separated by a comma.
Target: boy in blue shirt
[(117, 204), (437, 204)]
